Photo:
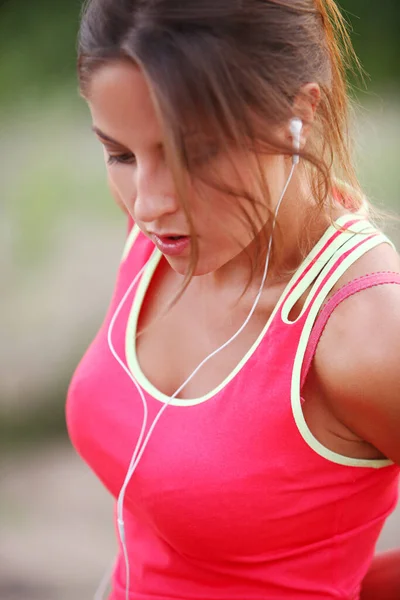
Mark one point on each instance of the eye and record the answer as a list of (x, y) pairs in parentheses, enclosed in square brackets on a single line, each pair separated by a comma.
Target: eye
[(124, 159)]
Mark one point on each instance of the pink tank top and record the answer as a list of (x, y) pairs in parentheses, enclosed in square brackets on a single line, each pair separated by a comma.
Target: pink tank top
[(234, 498)]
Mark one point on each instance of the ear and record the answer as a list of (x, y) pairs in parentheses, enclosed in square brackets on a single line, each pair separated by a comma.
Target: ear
[(305, 107)]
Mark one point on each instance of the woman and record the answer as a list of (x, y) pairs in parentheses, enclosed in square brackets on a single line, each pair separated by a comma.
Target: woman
[(251, 456)]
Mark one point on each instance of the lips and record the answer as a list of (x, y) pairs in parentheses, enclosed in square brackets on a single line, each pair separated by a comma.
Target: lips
[(172, 244)]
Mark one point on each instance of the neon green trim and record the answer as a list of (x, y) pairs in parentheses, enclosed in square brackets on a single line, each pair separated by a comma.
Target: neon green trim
[(301, 350), (130, 345), (345, 241), (130, 240), (339, 223)]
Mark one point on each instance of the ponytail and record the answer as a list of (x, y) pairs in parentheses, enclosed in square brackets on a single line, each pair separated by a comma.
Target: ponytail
[(343, 60)]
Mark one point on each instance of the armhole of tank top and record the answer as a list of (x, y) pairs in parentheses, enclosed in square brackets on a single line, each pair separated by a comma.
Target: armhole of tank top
[(133, 232), (337, 265)]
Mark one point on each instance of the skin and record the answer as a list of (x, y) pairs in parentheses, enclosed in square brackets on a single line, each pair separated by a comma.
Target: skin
[(143, 183), (351, 405)]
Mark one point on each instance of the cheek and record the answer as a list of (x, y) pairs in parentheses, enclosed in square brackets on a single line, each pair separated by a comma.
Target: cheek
[(121, 185), (115, 192), (230, 216), (222, 221)]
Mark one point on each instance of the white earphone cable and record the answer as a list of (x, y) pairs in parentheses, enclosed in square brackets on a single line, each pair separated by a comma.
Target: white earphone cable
[(141, 445)]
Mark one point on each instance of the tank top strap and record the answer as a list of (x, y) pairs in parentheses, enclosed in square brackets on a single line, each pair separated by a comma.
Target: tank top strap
[(132, 235), (138, 250), (356, 246), (343, 237), (346, 291)]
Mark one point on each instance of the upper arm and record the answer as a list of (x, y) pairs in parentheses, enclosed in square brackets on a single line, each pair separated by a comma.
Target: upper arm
[(357, 365)]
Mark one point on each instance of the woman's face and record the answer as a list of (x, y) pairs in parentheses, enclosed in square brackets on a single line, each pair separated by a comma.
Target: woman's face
[(126, 123)]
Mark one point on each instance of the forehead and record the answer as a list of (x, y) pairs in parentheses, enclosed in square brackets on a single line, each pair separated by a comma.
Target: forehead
[(120, 103)]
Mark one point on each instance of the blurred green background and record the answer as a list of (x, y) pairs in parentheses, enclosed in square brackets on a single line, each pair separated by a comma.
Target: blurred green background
[(60, 241)]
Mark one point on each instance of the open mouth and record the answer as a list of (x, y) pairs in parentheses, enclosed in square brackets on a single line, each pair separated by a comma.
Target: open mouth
[(172, 244)]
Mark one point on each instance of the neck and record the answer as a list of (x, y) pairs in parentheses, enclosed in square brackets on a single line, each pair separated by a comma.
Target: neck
[(298, 225)]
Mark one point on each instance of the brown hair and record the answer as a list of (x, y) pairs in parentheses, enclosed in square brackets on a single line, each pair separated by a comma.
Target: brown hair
[(235, 66)]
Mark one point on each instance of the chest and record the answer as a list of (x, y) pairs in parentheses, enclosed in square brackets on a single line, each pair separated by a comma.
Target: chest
[(172, 341)]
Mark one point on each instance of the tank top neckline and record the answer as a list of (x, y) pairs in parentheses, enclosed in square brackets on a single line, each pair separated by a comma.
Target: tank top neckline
[(142, 288)]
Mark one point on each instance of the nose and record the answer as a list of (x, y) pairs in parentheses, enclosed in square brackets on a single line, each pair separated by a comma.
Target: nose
[(155, 196), (151, 208)]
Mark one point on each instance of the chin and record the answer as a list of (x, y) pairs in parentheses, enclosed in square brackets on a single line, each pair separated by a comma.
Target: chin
[(181, 265)]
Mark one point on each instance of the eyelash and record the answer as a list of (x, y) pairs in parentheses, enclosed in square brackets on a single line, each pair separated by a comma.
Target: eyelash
[(122, 159), (125, 159)]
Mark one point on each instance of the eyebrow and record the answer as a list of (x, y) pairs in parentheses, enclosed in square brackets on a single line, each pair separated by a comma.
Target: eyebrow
[(106, 137)]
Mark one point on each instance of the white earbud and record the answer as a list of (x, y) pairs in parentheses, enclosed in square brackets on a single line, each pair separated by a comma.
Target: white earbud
[(295, 127)]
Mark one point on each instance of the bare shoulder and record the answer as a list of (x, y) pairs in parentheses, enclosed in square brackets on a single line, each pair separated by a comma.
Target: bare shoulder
[(357, 362)]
